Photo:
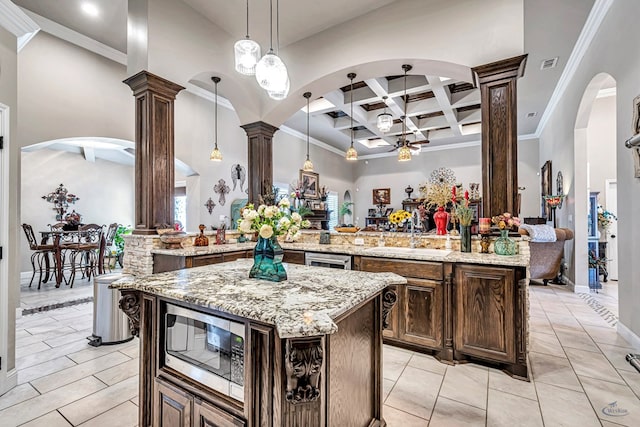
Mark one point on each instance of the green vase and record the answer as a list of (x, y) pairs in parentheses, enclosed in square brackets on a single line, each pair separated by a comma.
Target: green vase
[(505, 245), (465, 238), (267, 261)]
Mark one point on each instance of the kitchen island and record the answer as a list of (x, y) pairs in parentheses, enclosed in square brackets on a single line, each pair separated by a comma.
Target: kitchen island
[(312, 345)]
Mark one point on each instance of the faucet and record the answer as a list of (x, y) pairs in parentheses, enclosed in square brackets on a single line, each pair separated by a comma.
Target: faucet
[(412, 242)]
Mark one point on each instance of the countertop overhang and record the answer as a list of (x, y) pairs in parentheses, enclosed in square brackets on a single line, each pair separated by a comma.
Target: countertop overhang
[(306, 304)]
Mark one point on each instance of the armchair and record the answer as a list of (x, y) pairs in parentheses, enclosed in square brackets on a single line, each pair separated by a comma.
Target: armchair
[(546, 257)]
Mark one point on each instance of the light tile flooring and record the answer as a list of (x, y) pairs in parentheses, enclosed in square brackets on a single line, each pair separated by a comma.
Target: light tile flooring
[(580, 376)]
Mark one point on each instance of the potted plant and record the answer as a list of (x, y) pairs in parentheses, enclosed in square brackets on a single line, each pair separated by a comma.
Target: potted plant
[(118, 243), (345, 209)]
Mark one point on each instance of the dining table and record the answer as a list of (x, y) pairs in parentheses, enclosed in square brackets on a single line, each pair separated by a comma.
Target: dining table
[(67, 239)]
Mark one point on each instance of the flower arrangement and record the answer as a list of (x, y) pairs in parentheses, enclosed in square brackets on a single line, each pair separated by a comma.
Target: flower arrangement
[(73, 218), (436, 194), (399, 216), (462, 210), (506, 221), (605, 218), (273, 221)]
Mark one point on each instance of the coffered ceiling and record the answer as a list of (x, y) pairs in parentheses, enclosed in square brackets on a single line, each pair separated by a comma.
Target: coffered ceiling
[(443, 110)]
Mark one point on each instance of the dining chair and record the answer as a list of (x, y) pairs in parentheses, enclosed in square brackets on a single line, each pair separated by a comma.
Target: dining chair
[(40, 255), (85, 252), (108, 243)]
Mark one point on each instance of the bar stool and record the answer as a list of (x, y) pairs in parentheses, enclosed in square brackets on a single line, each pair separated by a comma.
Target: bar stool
[(40, 255), (108, 242), (85, 252)]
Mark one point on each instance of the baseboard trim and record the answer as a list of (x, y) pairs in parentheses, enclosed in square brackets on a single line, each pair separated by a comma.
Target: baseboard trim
[(628, 335), (569, 283), (25, 275)]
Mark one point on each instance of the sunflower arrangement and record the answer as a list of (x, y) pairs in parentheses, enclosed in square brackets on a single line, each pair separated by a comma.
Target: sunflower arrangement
[(399, 216)]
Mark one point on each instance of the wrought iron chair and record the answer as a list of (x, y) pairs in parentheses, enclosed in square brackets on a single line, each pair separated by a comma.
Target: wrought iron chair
[(86, 252), (40, 255), (108, 243)]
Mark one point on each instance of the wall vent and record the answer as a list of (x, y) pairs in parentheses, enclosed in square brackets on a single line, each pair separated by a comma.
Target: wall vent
[(530, 115), (549, 63)]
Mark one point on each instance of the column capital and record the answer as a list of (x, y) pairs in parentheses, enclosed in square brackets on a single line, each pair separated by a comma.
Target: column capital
[(510, 68), (145, 81), (256, 128)]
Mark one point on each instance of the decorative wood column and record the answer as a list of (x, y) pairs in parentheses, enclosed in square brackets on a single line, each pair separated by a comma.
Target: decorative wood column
[(498, 96), (260, 158), (154, 97)]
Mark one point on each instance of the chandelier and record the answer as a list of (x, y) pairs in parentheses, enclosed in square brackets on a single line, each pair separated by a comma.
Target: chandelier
[(247, 53), (216, 155), (308, 166), (271, 73), (404, 153), (385, 120)]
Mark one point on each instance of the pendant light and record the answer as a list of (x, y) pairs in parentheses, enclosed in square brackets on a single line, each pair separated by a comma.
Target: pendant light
[(216, 155), (271, 73), (352, 154), (404, 153), (385, 120), (282, 93), (308, 166), (247, 53)]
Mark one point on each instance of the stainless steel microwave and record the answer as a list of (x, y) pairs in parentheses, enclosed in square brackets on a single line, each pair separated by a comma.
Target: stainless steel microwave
[(206, 348)]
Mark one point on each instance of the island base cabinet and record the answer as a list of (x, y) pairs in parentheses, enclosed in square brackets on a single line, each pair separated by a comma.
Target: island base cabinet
[(491, 316), (177, 408), (422, 315)]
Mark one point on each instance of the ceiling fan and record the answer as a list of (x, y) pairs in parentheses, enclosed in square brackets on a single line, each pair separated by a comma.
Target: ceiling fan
[(413, 145)]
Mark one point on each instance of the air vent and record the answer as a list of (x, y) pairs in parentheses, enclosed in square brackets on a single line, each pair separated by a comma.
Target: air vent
[(549, 63), (530, 115)]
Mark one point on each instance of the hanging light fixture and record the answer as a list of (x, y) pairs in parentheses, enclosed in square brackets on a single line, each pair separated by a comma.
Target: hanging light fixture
[(271, 73), (352, 154), (247, 53), (282, 93), (385, 120), (404, 153), (308, 166), (216, 155)]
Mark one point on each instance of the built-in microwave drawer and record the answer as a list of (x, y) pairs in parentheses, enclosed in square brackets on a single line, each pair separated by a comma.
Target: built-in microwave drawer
[(406, 268)]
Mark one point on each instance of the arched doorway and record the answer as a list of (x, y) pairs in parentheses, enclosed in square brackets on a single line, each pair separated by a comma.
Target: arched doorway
[(595, 177)]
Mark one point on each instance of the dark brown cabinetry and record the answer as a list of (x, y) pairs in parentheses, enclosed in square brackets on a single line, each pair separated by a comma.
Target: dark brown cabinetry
[(293, 257), (162, 262)]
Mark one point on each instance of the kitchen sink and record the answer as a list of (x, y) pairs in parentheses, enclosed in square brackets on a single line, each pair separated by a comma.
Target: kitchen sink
[(408, 251)]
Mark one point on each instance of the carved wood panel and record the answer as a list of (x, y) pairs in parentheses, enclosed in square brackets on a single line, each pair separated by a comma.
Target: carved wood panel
[(485, 318), (422, 313), (390, 312), (173, 407)]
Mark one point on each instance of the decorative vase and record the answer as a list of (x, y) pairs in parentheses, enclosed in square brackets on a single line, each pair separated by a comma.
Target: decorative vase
[(441, 219), (267, 260), (505, 245), (465, 238)]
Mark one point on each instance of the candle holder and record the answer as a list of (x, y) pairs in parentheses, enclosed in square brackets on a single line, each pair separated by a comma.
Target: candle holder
[(485, 242)]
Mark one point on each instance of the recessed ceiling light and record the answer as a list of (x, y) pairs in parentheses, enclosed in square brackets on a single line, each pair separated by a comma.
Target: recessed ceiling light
[(373, 143), (90, 9)]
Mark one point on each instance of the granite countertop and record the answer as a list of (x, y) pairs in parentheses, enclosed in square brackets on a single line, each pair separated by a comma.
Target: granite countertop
[(417, 254), (305, 304)]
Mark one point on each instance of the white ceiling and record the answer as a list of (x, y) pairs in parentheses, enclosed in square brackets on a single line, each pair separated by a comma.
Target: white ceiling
[(551, 29)]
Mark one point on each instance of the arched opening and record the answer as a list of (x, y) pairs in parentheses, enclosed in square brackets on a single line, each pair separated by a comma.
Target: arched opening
[(594, 186)]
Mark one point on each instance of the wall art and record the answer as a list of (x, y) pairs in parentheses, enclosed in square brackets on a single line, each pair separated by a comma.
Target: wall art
[(210, 205), (238, 175), (222, 189)]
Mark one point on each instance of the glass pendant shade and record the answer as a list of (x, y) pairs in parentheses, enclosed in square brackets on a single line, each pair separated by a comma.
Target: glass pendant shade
[(271, 73), (247, 53), (385, 121), (216, 155), (308, 166), (404, 154), (279, 95), (352, 154)]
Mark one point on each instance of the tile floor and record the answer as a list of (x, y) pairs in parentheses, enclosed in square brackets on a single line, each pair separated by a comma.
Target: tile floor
[(580, 377)]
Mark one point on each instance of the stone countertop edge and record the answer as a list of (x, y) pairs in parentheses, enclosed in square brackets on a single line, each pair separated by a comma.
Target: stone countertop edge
[(322, 293), (454, 256)]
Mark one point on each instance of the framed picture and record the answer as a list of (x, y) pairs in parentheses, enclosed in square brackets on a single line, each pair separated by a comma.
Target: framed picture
[(371, 212), (388, 212), (309, 184), (316, 205), (476, 207), (381, 196), (546, 190)]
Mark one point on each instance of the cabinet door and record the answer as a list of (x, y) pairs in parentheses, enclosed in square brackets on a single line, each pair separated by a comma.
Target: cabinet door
[(392, 330), (422, 313), (485, 319), (293, 256), (172, 406), (206, 415), (232, 256)]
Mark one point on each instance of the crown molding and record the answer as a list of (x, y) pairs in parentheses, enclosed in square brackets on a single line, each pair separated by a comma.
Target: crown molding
[(17, 22), (205, 94), (76, 38), (605, 93), (591, 26), (316, 142)]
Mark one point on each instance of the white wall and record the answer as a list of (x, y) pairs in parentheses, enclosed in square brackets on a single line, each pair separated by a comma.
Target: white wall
[(608, 53), (601, 143), (387, 172), (105, 190)]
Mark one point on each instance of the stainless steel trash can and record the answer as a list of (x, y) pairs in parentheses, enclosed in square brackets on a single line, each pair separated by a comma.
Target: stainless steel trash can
[(110, 324)]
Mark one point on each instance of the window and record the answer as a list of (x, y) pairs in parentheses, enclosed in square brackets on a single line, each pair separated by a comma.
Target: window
[(332, 205), (180, 206)]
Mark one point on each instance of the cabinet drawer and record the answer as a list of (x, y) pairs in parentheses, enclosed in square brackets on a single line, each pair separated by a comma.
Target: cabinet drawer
[(206, 415), (293, 257), (232, 256), (199, 261), (406, 268)]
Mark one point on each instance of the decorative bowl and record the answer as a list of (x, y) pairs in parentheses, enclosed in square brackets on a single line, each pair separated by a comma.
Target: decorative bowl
[(173, 239), (346, 229)]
